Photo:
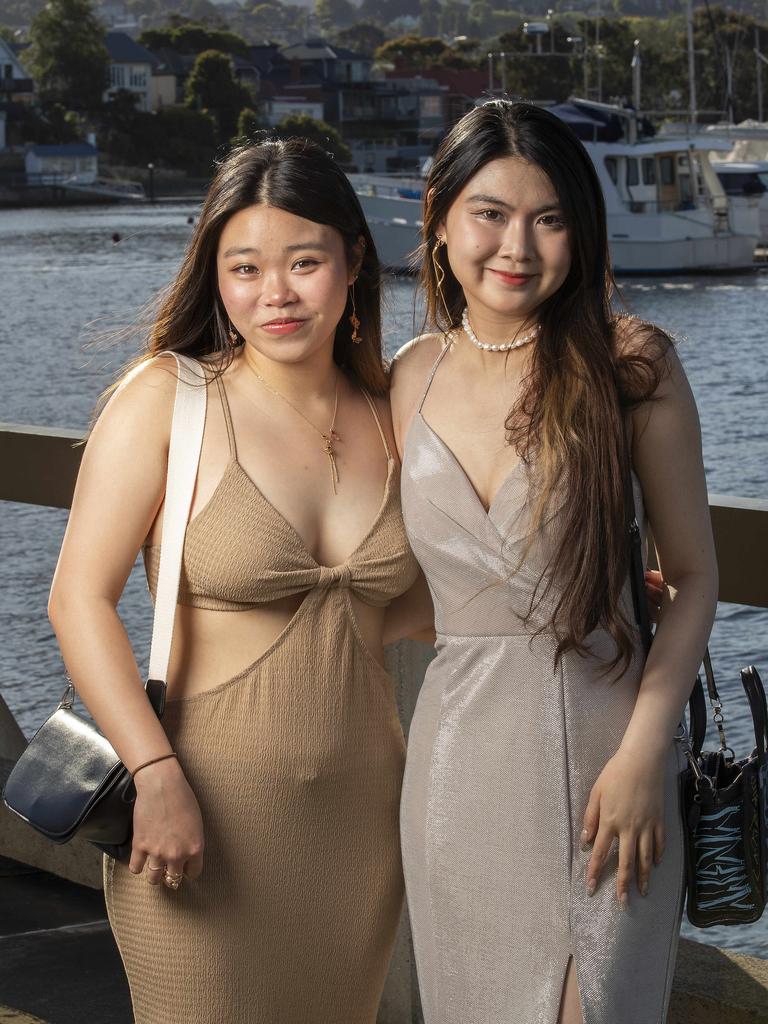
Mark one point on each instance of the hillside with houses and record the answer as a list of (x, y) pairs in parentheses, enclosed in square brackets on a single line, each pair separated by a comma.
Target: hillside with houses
[(127, 92)]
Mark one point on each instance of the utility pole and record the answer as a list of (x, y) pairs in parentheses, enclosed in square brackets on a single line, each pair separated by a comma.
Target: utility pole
[(729, 81), (598, 55), (759, 71), (636, 71), (692, 111)]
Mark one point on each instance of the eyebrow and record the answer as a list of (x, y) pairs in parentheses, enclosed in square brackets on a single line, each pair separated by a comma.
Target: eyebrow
[(482, 198), (235, 251)]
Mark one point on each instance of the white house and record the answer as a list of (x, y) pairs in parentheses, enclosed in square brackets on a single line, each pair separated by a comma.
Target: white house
[(130, 68), (51, 165), (15, 82)]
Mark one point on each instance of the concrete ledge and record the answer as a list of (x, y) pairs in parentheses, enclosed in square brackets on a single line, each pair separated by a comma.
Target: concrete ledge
[(77, 861), (718, 986)]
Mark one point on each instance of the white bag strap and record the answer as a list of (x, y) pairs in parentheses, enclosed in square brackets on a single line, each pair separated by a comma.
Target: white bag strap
[(183, 458)]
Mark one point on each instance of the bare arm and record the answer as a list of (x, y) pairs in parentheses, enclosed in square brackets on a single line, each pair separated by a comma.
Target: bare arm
[(119, 491), (626, 802), (668, 460)]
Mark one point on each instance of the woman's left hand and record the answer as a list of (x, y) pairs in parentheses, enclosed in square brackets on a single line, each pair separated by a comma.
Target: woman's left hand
[(627, 804)]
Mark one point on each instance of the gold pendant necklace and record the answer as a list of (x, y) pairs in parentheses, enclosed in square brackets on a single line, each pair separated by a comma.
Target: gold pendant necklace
[(329, 438)]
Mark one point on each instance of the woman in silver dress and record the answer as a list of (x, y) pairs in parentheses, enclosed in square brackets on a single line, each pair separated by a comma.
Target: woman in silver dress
[(540, 817)]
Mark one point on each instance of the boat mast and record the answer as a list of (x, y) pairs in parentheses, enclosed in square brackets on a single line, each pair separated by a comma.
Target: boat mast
[(692, 112)]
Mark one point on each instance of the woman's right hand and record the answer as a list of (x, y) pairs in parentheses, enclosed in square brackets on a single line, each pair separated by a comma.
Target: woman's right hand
[(167, 824)]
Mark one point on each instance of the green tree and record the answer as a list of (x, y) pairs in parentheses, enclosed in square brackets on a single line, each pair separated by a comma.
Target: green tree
[(362, 37), (212, 86), (412, 50), (334, 14), (247, 123), (68, 58), (191, 37), (325, 135)]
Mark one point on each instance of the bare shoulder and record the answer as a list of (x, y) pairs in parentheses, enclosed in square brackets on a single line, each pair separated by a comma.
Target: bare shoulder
[(410, 369), (418, 354), (408, 376), (141, 406)]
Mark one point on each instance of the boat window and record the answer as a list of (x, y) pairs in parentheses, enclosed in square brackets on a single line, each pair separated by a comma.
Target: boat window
[(633, 177), (667, 170), (744, 183), (610, 166), (649, 170)]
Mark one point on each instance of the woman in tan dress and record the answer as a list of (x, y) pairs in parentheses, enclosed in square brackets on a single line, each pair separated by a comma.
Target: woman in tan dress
[(540, 822), (264, 884)]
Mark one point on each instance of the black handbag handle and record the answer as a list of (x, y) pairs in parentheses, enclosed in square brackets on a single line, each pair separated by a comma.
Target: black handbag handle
[(697, 709), (753, 687)]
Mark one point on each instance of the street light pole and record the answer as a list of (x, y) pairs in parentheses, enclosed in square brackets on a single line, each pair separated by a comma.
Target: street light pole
[(636, 70), (490, 73), (692, 112), (503, 73), (759, 70)]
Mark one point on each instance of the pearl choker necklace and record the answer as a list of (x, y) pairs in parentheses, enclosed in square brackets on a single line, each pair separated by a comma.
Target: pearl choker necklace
[(507, 346)]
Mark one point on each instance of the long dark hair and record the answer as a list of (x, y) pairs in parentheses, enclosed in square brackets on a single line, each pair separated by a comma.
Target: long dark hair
[(298, 176), (569, 421)]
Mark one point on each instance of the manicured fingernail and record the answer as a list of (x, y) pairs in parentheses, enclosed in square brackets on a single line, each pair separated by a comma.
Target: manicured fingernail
[(591, 887), (583, 842), (644, 889), (624, 901)]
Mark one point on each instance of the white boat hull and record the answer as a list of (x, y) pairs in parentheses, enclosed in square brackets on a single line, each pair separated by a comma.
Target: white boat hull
[(396, 227)]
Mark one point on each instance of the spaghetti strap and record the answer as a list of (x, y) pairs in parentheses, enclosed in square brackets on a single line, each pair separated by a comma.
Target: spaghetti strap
[(372, 404), (227, 416), (432, 373)]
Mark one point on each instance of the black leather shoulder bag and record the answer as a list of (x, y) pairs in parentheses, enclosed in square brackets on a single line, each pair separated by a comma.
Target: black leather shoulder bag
[(69, 780), (724, 801)]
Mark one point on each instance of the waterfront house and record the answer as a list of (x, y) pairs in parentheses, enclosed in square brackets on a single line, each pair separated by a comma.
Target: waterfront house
[(51, 165), (130, 69), (15, 82), (317, 60), (15, 86)]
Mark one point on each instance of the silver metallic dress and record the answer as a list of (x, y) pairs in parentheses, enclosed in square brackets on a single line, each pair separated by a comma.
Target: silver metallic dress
[(503, 752)]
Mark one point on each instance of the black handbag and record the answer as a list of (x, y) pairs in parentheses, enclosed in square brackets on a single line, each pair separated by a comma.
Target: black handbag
[(69, 780), (724, 802)]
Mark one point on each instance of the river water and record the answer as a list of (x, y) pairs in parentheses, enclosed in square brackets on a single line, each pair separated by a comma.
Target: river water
[(64, 281)]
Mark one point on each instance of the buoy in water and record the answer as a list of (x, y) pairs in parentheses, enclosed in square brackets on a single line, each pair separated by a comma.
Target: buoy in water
[(190, 220), (116, 237)]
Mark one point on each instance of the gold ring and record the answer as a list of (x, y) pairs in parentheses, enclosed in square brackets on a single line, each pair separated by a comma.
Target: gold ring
[(155, 867), (172, 881)]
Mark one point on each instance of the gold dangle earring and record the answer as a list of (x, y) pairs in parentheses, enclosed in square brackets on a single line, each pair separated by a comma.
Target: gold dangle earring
[(232, 335), (440, 276), (354, 319)]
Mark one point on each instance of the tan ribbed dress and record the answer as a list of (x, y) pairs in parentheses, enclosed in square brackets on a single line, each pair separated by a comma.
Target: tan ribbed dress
[(297, 764)]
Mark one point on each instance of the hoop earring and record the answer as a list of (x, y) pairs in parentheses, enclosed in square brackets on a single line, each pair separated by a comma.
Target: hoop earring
[(440, 276), (354, 319)]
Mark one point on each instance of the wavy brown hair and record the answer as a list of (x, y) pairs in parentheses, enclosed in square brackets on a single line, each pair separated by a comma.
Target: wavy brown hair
[(589, 368), (298, 176)]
